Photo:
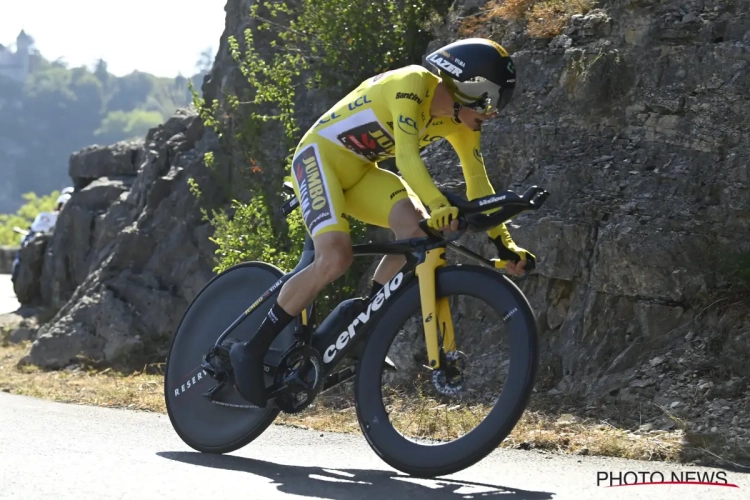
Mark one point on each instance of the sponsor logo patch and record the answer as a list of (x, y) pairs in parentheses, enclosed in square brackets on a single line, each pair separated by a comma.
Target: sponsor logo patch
[(478, 155), (330, 117), (395, 193), (444, 63), (191, 382), (314, 199), (494, 199), (431, 138), (359, 101), (369, 140), (377, 302), (407, 125), (410, 95)]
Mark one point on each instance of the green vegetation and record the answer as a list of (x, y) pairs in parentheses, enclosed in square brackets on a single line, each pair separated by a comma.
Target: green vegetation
[(59, 110), (25, 216), (323, 44), (127, 124)]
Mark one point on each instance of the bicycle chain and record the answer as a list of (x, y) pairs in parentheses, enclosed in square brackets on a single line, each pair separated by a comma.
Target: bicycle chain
[(233, 405)]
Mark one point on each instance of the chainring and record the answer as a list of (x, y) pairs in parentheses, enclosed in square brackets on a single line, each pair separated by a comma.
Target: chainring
[(449, 379), (302, 371)]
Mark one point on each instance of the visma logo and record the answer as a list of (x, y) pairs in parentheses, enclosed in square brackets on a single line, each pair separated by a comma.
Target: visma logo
[(407, 125), (363, 317)]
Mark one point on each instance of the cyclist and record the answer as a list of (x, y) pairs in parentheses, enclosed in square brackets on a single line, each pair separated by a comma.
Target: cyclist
[(335, 175)]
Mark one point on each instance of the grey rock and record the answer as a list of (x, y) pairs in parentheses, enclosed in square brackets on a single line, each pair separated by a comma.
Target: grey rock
[(7, 254), (97, 161), (27, 284), (21, 335)]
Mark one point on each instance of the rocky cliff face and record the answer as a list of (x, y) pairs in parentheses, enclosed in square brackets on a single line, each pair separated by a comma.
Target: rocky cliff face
[(129, 249), (7, 254), (635, 119)]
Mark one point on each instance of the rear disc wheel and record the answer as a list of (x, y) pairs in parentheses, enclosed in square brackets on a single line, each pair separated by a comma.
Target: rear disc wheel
[(205, 426)]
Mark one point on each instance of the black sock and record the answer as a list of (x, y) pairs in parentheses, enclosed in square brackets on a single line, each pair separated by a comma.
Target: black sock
[(276, 320), (376, 287)]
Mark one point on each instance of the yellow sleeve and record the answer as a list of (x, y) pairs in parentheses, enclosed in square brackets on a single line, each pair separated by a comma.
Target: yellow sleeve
[(408, 120), (467, 143)]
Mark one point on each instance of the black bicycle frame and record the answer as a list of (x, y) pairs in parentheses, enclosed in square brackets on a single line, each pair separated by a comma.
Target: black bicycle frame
[(338, 343)]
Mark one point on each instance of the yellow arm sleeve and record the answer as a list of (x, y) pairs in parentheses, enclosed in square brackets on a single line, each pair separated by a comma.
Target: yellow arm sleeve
[(467, 145), (406, 97)]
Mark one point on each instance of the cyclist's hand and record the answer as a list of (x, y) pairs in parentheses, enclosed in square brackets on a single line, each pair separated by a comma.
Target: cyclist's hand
[(515, 268), (443, 216), (515, 260)]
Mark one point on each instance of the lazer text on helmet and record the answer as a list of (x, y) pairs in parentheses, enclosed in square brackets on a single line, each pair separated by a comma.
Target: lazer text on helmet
[(363, 317), (446, 65)]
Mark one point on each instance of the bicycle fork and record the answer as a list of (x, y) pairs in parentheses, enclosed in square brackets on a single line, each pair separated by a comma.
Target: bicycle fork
[(434, 308)]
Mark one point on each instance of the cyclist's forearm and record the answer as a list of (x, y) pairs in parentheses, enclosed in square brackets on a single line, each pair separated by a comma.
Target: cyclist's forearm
[(503, 233), (415, 173)]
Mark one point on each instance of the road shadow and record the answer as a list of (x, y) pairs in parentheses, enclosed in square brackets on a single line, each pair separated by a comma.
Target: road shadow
[(347, 484)]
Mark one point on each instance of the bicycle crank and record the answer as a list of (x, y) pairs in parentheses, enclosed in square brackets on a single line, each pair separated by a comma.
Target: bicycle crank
[(300, 374)]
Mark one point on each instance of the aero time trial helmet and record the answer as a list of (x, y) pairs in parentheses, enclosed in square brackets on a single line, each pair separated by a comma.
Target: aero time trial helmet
[(477, 72)]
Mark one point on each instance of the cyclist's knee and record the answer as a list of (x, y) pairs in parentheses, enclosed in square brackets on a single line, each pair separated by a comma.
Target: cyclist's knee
[(333, 255), (404, 219)]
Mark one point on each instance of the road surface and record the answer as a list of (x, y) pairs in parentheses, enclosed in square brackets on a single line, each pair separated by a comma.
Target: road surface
[(62, 451), (8, 301)]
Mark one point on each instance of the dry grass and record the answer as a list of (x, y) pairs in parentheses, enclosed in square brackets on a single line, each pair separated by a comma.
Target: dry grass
[(536, 430), (137, 390), (544, 18)]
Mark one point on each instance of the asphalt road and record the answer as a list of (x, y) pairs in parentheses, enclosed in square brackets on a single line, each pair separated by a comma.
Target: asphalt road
[(8, 301), (62, 451)]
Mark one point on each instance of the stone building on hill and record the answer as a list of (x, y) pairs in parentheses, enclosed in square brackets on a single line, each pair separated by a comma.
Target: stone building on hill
[(14, 61)]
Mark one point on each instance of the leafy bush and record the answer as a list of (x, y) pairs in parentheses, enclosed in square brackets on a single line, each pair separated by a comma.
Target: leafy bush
[(246, 234), (119, 125), (337, 43), (25, 216)]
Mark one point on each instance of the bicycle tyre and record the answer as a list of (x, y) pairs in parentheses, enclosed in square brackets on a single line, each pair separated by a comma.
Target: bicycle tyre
[(431, 460), (202, 425)]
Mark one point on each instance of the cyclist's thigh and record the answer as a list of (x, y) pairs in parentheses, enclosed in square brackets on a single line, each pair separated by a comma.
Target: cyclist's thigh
[(372, 198), (318, 189)]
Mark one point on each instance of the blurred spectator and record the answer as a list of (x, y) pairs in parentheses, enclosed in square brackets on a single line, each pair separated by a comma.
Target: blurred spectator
[(43, 223)]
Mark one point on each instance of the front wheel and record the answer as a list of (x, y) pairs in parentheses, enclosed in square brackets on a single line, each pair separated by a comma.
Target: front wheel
[(431, 423)]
